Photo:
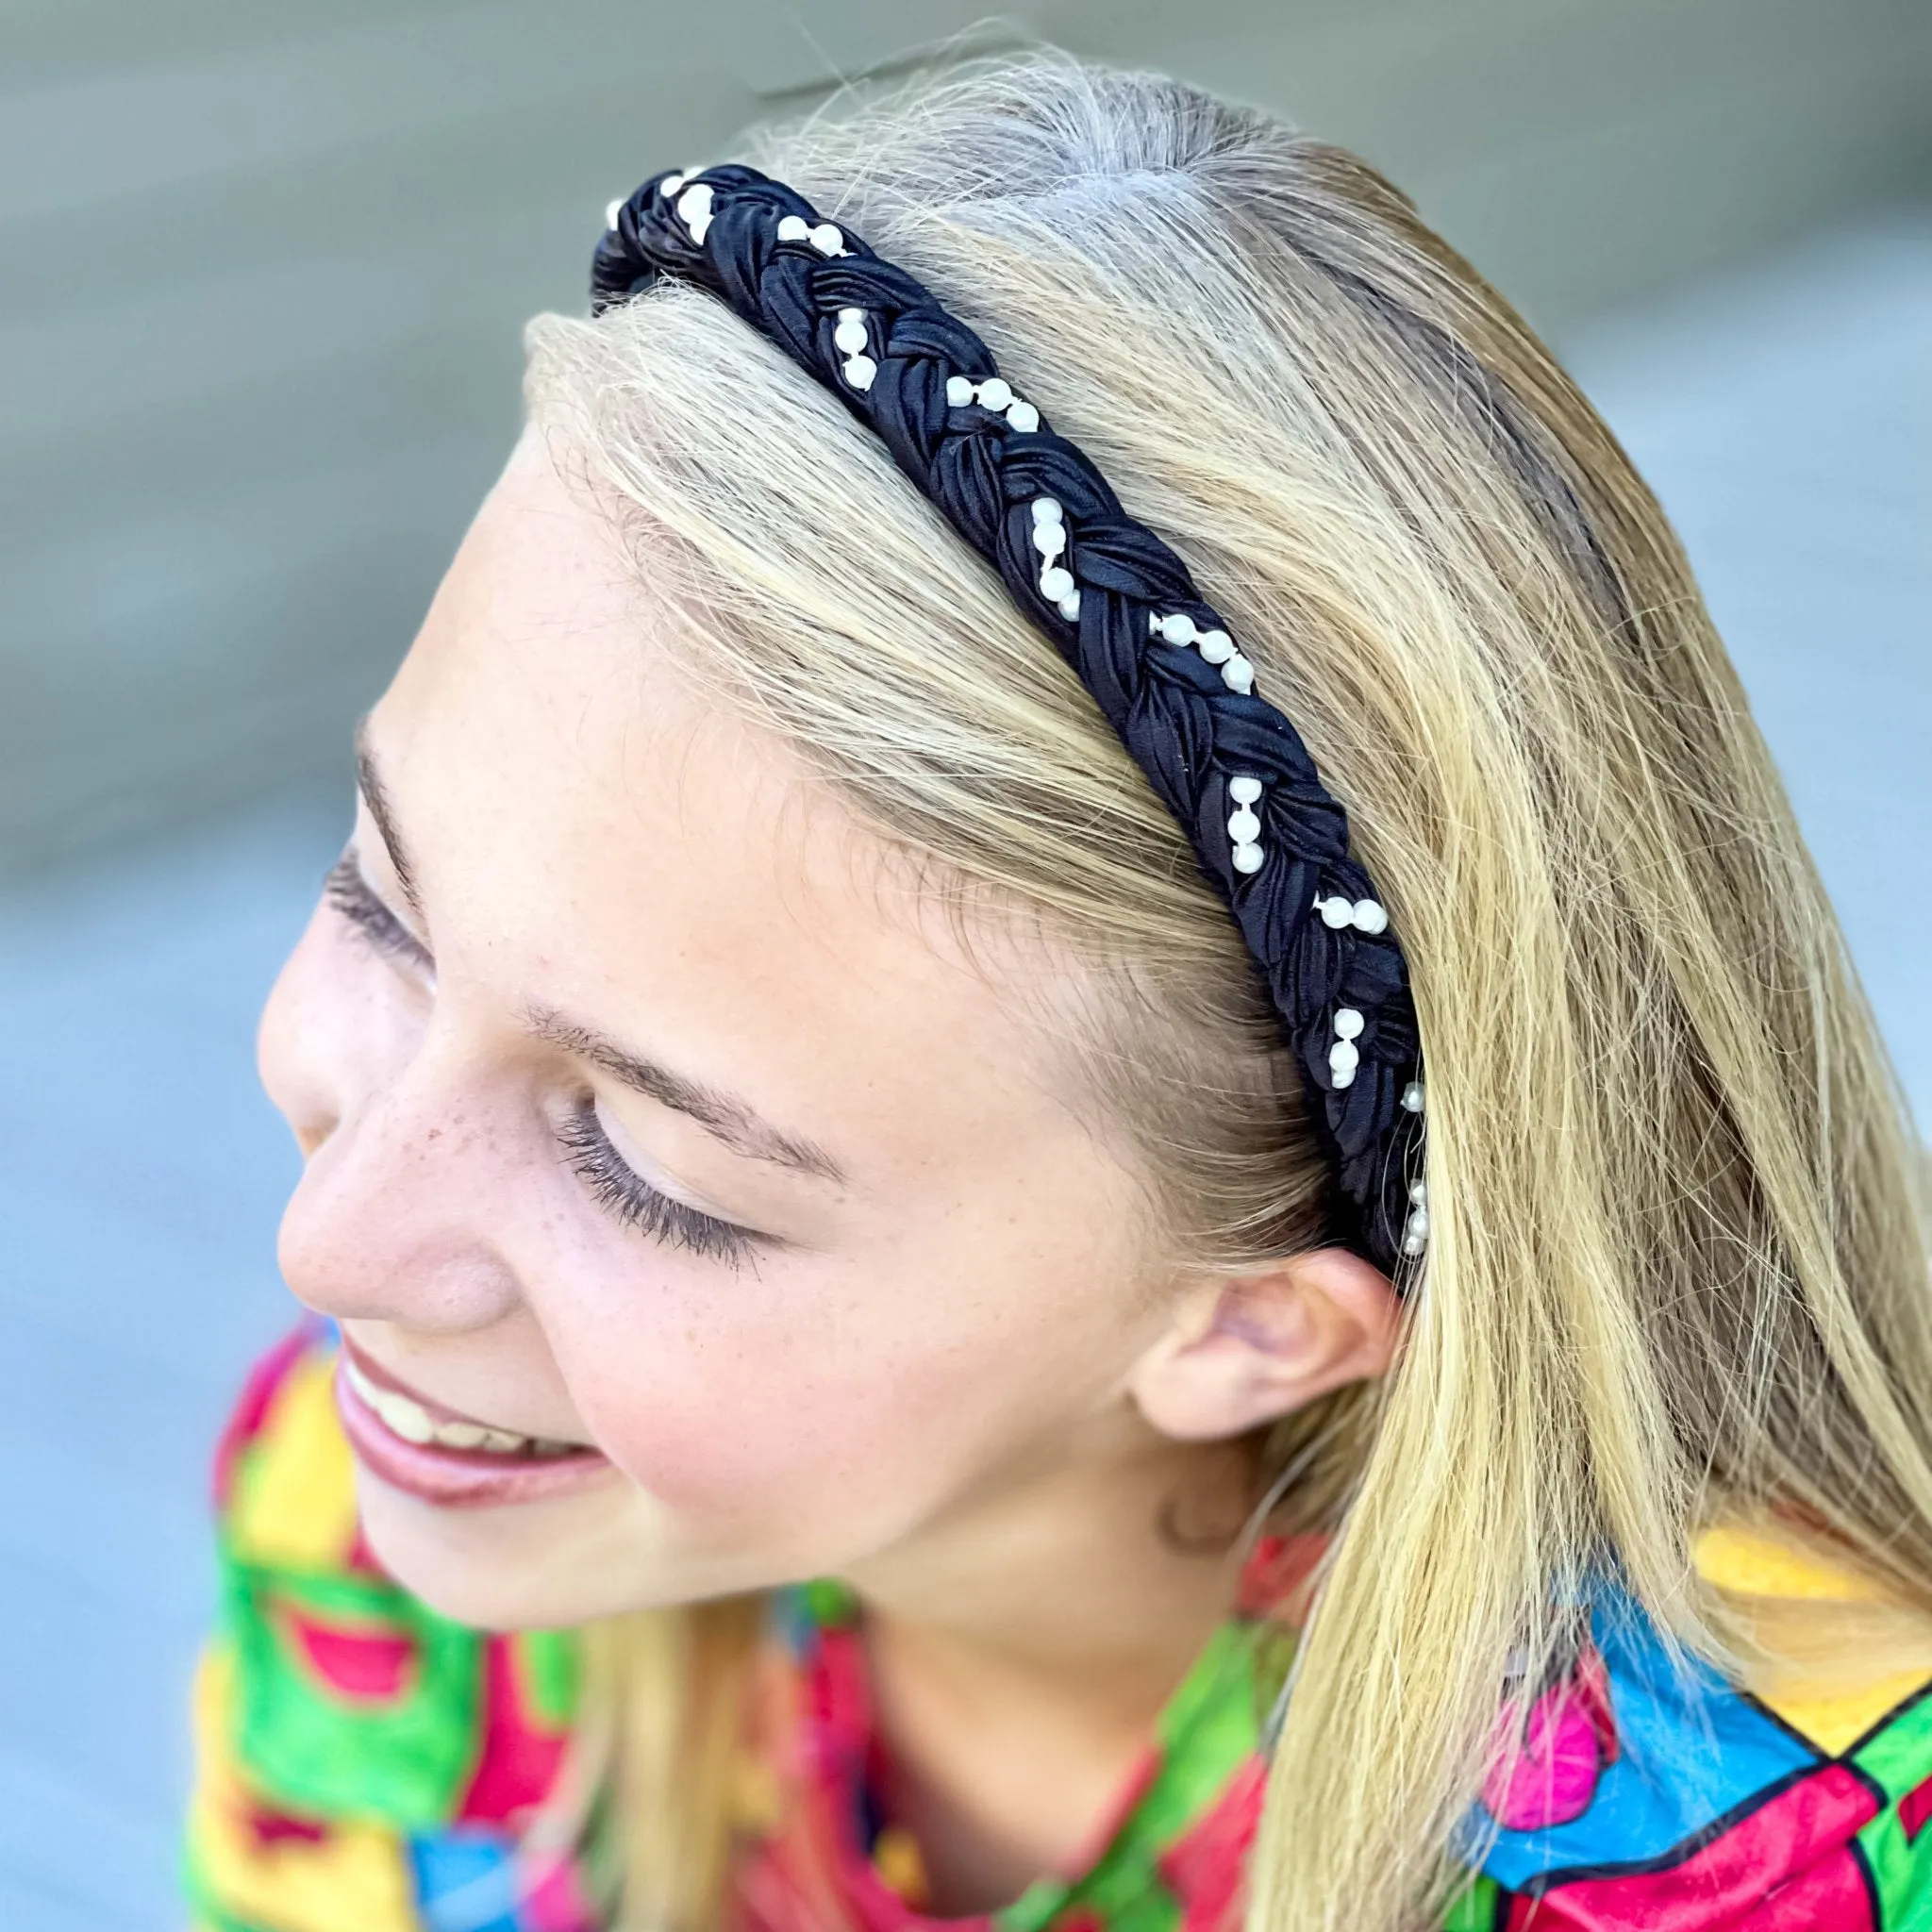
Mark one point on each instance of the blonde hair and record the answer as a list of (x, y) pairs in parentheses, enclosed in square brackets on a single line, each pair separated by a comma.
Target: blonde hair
[(1678, 1271)]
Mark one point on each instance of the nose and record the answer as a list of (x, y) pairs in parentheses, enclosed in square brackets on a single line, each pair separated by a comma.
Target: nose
[(410, 1169), (395, 1216)]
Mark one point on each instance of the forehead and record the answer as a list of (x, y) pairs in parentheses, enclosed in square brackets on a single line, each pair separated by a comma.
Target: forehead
[(595, 833)]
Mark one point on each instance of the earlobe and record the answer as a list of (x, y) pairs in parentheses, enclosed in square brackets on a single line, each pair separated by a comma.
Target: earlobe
[(1247, 1349)]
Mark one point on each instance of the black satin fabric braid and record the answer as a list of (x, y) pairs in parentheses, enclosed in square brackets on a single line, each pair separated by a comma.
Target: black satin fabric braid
[(1183, 725)]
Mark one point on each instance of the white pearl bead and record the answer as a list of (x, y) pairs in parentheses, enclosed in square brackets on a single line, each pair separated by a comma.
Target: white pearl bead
[(1417, 1227), (860, 371), (1024, 417), (1344, 1078), (1243, 826), (695, 201), (852, 315), (1216, 646), (611, 213), (1244, 790), (959, 390), (672, 184), (828, 239), (1336, 914), (1247, 858), (1177, 629), (1412, 1096), (1047, 509), (1419, 1192), (1343, 1056), (996, 392), (1238, 674), (1349, 1024), (850, 337), (1070, 604), (1055, 582), (1049, 539), (793, 229), (1414, 1244), (1153, 625), (1368, 916)]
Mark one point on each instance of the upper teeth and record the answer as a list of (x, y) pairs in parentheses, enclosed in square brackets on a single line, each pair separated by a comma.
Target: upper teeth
[(414, 1423)]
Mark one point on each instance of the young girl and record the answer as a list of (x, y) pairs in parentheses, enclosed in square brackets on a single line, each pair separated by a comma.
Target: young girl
[(943, 1294)]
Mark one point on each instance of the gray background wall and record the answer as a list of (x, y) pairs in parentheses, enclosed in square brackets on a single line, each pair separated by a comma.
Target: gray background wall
[(263, 264)]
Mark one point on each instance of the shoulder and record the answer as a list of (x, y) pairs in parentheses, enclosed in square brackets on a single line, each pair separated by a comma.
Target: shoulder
[(358, 1754), (1653, 1793)]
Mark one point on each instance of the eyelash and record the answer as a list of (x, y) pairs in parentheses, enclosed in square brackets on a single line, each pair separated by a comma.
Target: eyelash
[(635, 1202), (347, 892), (611, 1182)]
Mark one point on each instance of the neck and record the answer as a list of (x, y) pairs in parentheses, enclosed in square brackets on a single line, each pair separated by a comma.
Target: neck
[(1021, 1649)]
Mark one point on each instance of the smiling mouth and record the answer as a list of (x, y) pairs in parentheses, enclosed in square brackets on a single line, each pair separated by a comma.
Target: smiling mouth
[(414, 1423), (454, 1461)]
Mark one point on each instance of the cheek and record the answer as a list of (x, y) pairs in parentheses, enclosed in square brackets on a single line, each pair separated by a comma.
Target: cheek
[(846, 1413)]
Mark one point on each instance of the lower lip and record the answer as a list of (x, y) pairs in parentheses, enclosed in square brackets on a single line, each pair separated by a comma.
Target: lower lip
[(460, 1478)]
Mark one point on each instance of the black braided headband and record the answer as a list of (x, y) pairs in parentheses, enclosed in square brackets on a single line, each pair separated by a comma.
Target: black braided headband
[(1119, 607)]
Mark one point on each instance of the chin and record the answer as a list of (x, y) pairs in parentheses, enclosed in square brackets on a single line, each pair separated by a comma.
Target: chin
[(540, 1566)]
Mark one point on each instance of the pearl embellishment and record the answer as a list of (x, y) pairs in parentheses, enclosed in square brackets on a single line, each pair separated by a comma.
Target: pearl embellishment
[(1415, 1231), (827, 240), (694, 209), (1056, 583), (1244, 822), (850, 339), (994, 393), (1412, 1096), (1349, 1024), (611, 213), (1216, 646), (1363, 914), (793, 229)]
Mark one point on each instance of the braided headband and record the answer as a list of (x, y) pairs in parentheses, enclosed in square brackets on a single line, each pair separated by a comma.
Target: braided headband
[(1119, 607)]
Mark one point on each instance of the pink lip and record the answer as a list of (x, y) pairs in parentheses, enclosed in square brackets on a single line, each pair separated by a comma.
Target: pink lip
[(454, 1478)]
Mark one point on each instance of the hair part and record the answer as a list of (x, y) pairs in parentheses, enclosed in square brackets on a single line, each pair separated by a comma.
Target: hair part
[(1677, 1266)]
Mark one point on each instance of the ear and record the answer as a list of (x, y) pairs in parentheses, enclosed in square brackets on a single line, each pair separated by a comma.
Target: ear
[(1247, 1349)]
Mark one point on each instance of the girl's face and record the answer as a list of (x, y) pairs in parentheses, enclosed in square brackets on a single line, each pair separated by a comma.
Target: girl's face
[(648, 1107)]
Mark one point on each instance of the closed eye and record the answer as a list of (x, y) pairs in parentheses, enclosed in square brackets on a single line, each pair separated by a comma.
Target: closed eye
[(348, 892), (615, 1186)]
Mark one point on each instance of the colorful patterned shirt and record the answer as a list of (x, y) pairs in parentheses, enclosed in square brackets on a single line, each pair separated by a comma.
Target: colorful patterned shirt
[(367, 1765)]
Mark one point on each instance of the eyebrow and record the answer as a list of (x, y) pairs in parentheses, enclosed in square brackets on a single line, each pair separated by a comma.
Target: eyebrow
[(376, 795), (726, 1118)]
